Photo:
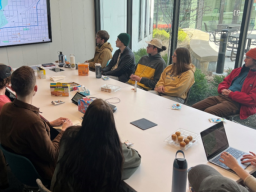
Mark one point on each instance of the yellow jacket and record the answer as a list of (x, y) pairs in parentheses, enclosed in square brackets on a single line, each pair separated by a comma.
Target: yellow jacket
[(177, 86), (102, 55)]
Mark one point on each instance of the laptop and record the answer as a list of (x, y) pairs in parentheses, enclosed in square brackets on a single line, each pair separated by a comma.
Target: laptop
[(215, 142)]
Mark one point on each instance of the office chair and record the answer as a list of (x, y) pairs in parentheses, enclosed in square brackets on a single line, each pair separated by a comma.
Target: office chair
[(23, 169)]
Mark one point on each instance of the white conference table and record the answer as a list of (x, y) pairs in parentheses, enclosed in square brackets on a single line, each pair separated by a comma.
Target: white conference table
[(155, 171)]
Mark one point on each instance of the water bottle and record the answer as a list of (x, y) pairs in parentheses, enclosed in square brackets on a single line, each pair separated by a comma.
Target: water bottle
[(61, 61), (179, 174), (98, 70)]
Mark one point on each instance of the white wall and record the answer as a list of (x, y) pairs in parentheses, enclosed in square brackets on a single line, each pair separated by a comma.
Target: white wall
[(73, 31), (114, 19)]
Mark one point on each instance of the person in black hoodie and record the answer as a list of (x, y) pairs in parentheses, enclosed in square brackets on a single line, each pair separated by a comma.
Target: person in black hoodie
[(122, 64), (149, 68)]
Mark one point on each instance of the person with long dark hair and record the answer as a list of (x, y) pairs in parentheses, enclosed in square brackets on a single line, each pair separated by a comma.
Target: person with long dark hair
[(92, 157), (177, 79)]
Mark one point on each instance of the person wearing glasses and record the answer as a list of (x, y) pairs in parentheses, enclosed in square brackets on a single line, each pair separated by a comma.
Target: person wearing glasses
[(237, 92), (149, 67), (177, 79)]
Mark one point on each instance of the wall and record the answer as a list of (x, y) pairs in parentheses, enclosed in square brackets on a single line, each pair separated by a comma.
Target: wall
[(72, 32)]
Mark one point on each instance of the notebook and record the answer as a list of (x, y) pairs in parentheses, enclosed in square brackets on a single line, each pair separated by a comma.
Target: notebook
[(215, 142)]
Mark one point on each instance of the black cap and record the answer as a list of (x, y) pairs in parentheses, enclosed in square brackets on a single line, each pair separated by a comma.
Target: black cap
[(5, 71)]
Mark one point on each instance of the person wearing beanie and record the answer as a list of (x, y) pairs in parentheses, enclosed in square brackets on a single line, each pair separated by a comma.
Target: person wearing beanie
[(122, 64), (103, 50), (149, 67), (237, 93)]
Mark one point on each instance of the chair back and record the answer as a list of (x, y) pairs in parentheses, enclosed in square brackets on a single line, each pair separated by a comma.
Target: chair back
[(186, 100), (108, 62), (21, 167), (41, 186)]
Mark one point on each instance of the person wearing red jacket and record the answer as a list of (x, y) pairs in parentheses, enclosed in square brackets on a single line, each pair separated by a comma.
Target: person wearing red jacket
[(237, 93)]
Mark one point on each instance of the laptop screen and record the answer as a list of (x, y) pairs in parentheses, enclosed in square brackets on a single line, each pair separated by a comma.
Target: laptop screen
[(214, 140)]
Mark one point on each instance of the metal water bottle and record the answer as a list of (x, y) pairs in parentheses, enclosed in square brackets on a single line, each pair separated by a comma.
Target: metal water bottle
[(179, 174), (98, 70)]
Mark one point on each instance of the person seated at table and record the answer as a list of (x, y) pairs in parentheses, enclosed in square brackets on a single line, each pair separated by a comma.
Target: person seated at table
[(149, 68), (103, 50), (177, 79), (92, 158), (236, 93), (205, 178), (122, 64), (5, 73), (23, 131)]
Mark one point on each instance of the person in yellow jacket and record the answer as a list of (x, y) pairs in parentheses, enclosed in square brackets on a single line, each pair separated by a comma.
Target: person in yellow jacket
[(177, 79), (103, 50)]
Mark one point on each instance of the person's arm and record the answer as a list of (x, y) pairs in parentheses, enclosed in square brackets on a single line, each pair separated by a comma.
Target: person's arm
[(152, 82), (226, 83), (88, 61), (131, 162), (103, 58), (162, 78), (123, 66), (244, 98), (40, 142), (182, 86), (232, 163)]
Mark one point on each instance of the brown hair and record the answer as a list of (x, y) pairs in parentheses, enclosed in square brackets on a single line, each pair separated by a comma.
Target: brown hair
[(5, 82), (183, 61), (23, 81), (103, 35)]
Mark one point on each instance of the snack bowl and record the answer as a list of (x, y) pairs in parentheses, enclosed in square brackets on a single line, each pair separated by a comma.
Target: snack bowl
[(184, 133)]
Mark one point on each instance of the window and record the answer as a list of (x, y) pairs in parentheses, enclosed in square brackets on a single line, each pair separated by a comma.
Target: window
[(140, 15), (146, 18)]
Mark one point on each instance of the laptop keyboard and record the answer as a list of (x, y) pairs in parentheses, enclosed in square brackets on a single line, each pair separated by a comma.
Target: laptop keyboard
[(234, 152)]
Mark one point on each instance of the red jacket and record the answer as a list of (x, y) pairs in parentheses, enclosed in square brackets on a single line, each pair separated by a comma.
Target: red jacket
[(247, 96)]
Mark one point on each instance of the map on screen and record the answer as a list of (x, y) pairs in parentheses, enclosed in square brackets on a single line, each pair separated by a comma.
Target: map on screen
[(23, 22)]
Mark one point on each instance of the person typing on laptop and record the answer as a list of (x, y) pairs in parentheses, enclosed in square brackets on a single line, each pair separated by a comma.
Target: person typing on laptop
[(233, 164), (23, 131)]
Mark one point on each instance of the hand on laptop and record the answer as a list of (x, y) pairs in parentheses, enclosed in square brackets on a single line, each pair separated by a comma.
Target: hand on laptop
[(58, 122), (229, 160), (250, 158)]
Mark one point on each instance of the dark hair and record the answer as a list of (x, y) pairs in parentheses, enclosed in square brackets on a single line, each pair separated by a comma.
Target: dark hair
[(160, 50), (23, 81), (103, 35), (93, 158), (183, 61), (5, 82)]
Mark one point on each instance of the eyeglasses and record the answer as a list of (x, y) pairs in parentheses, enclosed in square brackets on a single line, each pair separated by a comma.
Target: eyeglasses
[(174, 55)]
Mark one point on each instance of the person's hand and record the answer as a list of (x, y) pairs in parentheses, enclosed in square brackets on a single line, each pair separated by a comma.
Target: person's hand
[(58, 122), (229, 160), (86, 61), (136, 78), (249, 158), (226, 92), (160, 89), (66, 124), (132, 77)]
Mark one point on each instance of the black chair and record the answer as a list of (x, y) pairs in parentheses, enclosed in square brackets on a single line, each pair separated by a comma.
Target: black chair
[(186, 100), (23, 169), (212, 34)]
